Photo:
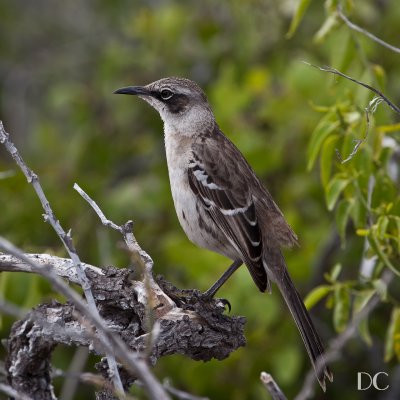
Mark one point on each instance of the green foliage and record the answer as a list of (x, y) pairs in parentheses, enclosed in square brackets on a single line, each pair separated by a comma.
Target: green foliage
[(316, 295), (392, 346), (60, 63), (301, 9), (359, 189), (355, 171)]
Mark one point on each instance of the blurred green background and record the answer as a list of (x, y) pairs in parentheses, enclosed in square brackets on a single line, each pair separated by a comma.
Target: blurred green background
[(59, 64)]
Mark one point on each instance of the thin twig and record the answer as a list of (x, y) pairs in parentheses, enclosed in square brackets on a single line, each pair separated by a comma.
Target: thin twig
[(372, 89), (88, 378), (65, 238), (148, 287), (180, 394), (125, 230), (373, 104), (272, 387), (357, 28), (111, 342), (336, 345), (104, 220)]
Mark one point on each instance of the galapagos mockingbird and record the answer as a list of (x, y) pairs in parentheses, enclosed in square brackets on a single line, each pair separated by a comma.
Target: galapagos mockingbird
[(221, 204)]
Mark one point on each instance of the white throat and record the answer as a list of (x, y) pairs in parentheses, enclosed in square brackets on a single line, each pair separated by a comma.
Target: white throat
[(191, 123)]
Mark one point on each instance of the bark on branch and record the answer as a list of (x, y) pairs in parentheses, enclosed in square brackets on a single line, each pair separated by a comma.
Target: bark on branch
[(189, 325)]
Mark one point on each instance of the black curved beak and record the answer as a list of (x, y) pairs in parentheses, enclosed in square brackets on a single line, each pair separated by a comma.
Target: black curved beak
[(133, 90)]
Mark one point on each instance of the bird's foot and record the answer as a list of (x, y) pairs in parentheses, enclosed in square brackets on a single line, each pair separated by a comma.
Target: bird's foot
[(226, 303), (207, 297), (192, 296), (187, 298)]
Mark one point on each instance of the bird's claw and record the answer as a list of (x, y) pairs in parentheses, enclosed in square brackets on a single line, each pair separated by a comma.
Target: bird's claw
[(225, 302)]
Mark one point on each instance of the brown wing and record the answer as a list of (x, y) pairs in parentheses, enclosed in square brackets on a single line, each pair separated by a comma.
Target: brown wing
[(227, 198)]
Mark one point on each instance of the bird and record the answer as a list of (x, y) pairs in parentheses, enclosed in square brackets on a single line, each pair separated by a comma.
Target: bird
[(221, 204)]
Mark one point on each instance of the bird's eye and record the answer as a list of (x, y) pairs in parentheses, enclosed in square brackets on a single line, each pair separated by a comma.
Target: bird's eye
[(166, 94)]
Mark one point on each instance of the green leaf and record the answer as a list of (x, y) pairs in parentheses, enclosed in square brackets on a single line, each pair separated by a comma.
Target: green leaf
[(380, 75), (316, 295), (358, 213), (297, 17), (327, 158), (336, 270), (363, 328), (392, 342), (383, 222), (363, 232), (329, 24), (360, 301), (381, 253), (333, 190), (397, 222), (362, 162), (380, 288), (331, 5), (343, 210), (341, 312), (4, 279), (325, 127)]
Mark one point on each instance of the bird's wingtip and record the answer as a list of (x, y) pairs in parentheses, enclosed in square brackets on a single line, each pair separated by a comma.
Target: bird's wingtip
[(322, 379)]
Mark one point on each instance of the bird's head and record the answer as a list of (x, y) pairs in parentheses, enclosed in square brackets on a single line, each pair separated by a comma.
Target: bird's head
[(181, 103)]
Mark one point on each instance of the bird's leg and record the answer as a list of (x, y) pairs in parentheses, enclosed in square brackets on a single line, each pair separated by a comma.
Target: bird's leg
[(210, 293)]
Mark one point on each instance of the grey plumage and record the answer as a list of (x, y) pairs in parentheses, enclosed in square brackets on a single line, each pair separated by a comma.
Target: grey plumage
[(220, 203)]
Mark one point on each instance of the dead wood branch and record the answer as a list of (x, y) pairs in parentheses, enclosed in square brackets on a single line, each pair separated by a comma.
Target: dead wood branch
[(193, 327)]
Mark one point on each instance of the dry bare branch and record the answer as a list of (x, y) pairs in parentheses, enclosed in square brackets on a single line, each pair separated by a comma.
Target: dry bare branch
[(63, 267), (110, 342), (194, 327), (272, 387), (65, 238), (140, 257)]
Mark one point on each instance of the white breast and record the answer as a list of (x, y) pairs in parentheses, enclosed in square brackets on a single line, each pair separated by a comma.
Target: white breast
[(178, 155), (187, 205)]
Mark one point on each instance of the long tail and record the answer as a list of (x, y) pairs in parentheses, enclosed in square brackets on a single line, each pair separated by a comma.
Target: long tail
[(275, 266), (306, 327)]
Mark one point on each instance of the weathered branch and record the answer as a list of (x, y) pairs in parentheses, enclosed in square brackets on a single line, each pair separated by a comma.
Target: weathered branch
[(65, 238), (186, 324), (195, 327), (138, 255), (63, 267), (111, 343)]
